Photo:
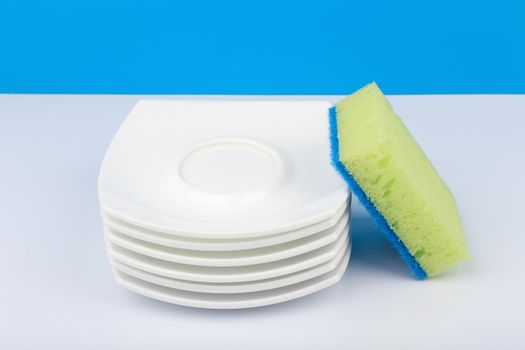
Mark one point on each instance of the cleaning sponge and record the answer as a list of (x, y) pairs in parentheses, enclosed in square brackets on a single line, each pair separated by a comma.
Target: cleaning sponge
[(395, 181)]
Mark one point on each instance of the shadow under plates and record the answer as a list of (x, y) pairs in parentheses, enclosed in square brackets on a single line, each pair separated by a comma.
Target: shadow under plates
[(284, 308)]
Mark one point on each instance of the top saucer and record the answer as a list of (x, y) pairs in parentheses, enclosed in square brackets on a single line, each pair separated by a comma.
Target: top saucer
[(218, 169)]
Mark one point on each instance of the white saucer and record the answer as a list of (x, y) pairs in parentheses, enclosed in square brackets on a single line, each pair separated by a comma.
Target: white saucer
[(222, 170), (231, 301), (231, 258), (230, 274), (221, 245), (243, 287)]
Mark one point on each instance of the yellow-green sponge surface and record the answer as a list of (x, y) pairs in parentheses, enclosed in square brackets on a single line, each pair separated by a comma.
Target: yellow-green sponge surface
[(381, 155)]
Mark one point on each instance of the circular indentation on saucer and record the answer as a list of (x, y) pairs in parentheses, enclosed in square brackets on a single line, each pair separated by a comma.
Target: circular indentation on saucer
[(231, 169)]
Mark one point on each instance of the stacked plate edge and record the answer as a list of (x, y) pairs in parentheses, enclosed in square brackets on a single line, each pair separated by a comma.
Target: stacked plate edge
[(220, 204)]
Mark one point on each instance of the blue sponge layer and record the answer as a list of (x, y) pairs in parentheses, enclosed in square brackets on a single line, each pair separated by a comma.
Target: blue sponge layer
[(412, 263)]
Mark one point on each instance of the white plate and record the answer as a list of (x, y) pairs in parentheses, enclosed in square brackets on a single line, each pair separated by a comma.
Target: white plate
[(229, 274), (228, 288), (222, 169), (175, 241), (231, 258), (231, 301)]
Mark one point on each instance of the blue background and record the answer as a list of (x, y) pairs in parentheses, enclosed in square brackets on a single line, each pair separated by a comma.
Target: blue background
[(262, 47)]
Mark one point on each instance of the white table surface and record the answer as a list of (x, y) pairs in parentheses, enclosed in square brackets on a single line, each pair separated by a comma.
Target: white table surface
[(57, 290)]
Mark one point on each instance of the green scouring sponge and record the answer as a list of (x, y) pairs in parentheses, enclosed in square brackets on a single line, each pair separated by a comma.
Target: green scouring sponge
[(392, 177)]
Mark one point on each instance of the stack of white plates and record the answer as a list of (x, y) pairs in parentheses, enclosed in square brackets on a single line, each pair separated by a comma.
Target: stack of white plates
[(224, 204)]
